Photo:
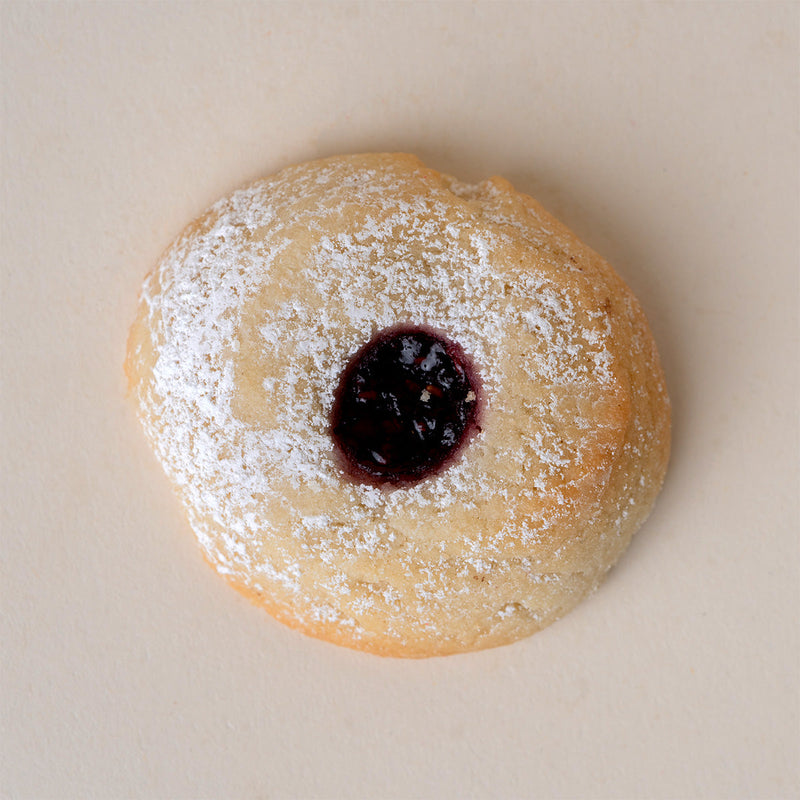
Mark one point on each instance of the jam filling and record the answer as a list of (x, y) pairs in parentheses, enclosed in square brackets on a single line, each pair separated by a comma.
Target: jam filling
[(405, 405)]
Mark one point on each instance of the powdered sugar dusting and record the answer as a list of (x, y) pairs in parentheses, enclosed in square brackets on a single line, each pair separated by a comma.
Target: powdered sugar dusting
[(256, 312)]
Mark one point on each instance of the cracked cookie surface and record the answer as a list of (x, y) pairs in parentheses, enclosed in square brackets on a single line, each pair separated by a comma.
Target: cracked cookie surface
[(252, 315)]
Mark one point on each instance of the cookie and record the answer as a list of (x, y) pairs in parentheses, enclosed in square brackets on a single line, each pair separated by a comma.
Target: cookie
[(403, 414)]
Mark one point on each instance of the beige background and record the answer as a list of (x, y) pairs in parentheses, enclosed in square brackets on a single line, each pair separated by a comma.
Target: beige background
[(665, 134)]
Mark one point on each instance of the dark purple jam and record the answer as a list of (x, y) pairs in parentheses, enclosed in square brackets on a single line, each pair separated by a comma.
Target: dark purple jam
[(405, 405)]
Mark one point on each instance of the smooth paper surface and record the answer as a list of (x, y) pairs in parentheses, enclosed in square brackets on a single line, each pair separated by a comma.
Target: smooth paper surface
[(665, 135)]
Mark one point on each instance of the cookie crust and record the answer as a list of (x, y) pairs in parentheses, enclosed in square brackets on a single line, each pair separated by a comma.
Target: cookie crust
[(249, 318)]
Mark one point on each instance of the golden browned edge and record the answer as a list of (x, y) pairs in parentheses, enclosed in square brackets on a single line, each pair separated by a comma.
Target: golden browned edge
[(378, 646), (384, 646)]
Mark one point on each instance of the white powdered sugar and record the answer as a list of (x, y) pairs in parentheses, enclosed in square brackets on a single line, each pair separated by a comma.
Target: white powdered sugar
[(256, 311)]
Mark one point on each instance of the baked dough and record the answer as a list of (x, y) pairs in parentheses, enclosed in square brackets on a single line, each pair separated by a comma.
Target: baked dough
[(245, 326)]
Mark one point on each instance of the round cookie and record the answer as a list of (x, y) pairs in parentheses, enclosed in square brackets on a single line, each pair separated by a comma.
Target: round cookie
[(241, 339)]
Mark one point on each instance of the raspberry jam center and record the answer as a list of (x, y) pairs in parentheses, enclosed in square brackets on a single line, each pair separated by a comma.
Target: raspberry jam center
[(405, 405)]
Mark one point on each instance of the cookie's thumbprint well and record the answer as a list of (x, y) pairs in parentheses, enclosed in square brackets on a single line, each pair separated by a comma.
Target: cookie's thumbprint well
[(403, 414), (405, 405)]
